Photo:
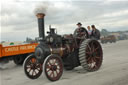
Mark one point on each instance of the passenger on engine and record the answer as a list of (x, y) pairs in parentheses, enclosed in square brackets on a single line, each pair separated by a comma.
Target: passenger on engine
[(95, 33), (89, 31)]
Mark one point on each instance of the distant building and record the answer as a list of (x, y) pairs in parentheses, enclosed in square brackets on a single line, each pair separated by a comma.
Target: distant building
[(116, 34), (120, 35), (126, 34)]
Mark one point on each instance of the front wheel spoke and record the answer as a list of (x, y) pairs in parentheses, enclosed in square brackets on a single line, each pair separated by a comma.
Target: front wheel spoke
[(51, 73), (55, 61), (56, 72), (28, 66), (50, 63), (58, 68), (29, 63), (48, 70), (48, 66), (38, 69), (38, 65), (29, 71), (33, 73)]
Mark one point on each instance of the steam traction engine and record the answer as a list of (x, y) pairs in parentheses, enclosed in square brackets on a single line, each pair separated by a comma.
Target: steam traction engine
[(55, 52)]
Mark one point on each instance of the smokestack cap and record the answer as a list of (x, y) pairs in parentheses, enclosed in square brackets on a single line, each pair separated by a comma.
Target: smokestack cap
[(40, 15)]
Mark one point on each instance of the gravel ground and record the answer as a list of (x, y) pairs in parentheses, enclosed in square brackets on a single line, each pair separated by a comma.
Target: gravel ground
[(114, 71)]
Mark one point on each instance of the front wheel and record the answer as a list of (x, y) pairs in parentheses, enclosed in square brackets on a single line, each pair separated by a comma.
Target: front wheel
[(53, 67), (32, 68)]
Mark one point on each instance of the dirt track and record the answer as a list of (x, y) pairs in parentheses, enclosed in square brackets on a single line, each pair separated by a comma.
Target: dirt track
[(114, 71)]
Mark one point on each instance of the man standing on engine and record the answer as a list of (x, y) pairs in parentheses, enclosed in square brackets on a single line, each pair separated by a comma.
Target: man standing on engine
[(95, 33)]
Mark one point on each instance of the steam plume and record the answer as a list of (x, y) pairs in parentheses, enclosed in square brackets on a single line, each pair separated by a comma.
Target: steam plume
[(42, 8)]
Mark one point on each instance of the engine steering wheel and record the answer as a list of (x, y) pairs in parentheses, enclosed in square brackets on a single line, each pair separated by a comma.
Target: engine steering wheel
[(82, 35)]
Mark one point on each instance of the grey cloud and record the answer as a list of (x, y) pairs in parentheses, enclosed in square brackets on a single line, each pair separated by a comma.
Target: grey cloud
[(20, 16), (17, 15)]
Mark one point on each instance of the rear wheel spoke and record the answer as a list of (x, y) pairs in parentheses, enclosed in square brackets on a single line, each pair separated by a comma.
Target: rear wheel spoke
[(89, 47), (88, 52), (94, 59), (97, 57), (88, 58), (92, 47), (96, 49), (95, 66)]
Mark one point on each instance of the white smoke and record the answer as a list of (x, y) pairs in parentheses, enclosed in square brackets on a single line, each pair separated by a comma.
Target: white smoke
[(42, 7)]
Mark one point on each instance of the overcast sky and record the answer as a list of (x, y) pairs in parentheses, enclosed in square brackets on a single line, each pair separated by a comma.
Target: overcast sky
[(18, 19)]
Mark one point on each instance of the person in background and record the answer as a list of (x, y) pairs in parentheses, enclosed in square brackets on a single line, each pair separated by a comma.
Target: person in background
[(95, 33), (89, 31)]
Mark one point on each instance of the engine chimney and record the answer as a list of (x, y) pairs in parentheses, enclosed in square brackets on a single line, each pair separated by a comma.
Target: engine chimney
[(40, 17)]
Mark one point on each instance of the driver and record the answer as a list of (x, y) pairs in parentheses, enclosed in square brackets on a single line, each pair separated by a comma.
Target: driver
[(80, 32)]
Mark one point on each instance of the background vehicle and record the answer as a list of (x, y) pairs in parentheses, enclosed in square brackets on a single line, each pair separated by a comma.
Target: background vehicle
[(110, 39), (17, 53), (56, 51)]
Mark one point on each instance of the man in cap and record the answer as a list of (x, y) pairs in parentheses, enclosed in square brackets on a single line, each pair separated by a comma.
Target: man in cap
[(80, 32)]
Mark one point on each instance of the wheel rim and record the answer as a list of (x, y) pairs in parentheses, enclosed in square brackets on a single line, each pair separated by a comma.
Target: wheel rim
[(93, 54), (32, 68), (53, 68)]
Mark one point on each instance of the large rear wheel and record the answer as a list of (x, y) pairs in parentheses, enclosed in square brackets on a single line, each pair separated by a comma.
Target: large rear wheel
[(90, 55), (32, 68), (53, 67)]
